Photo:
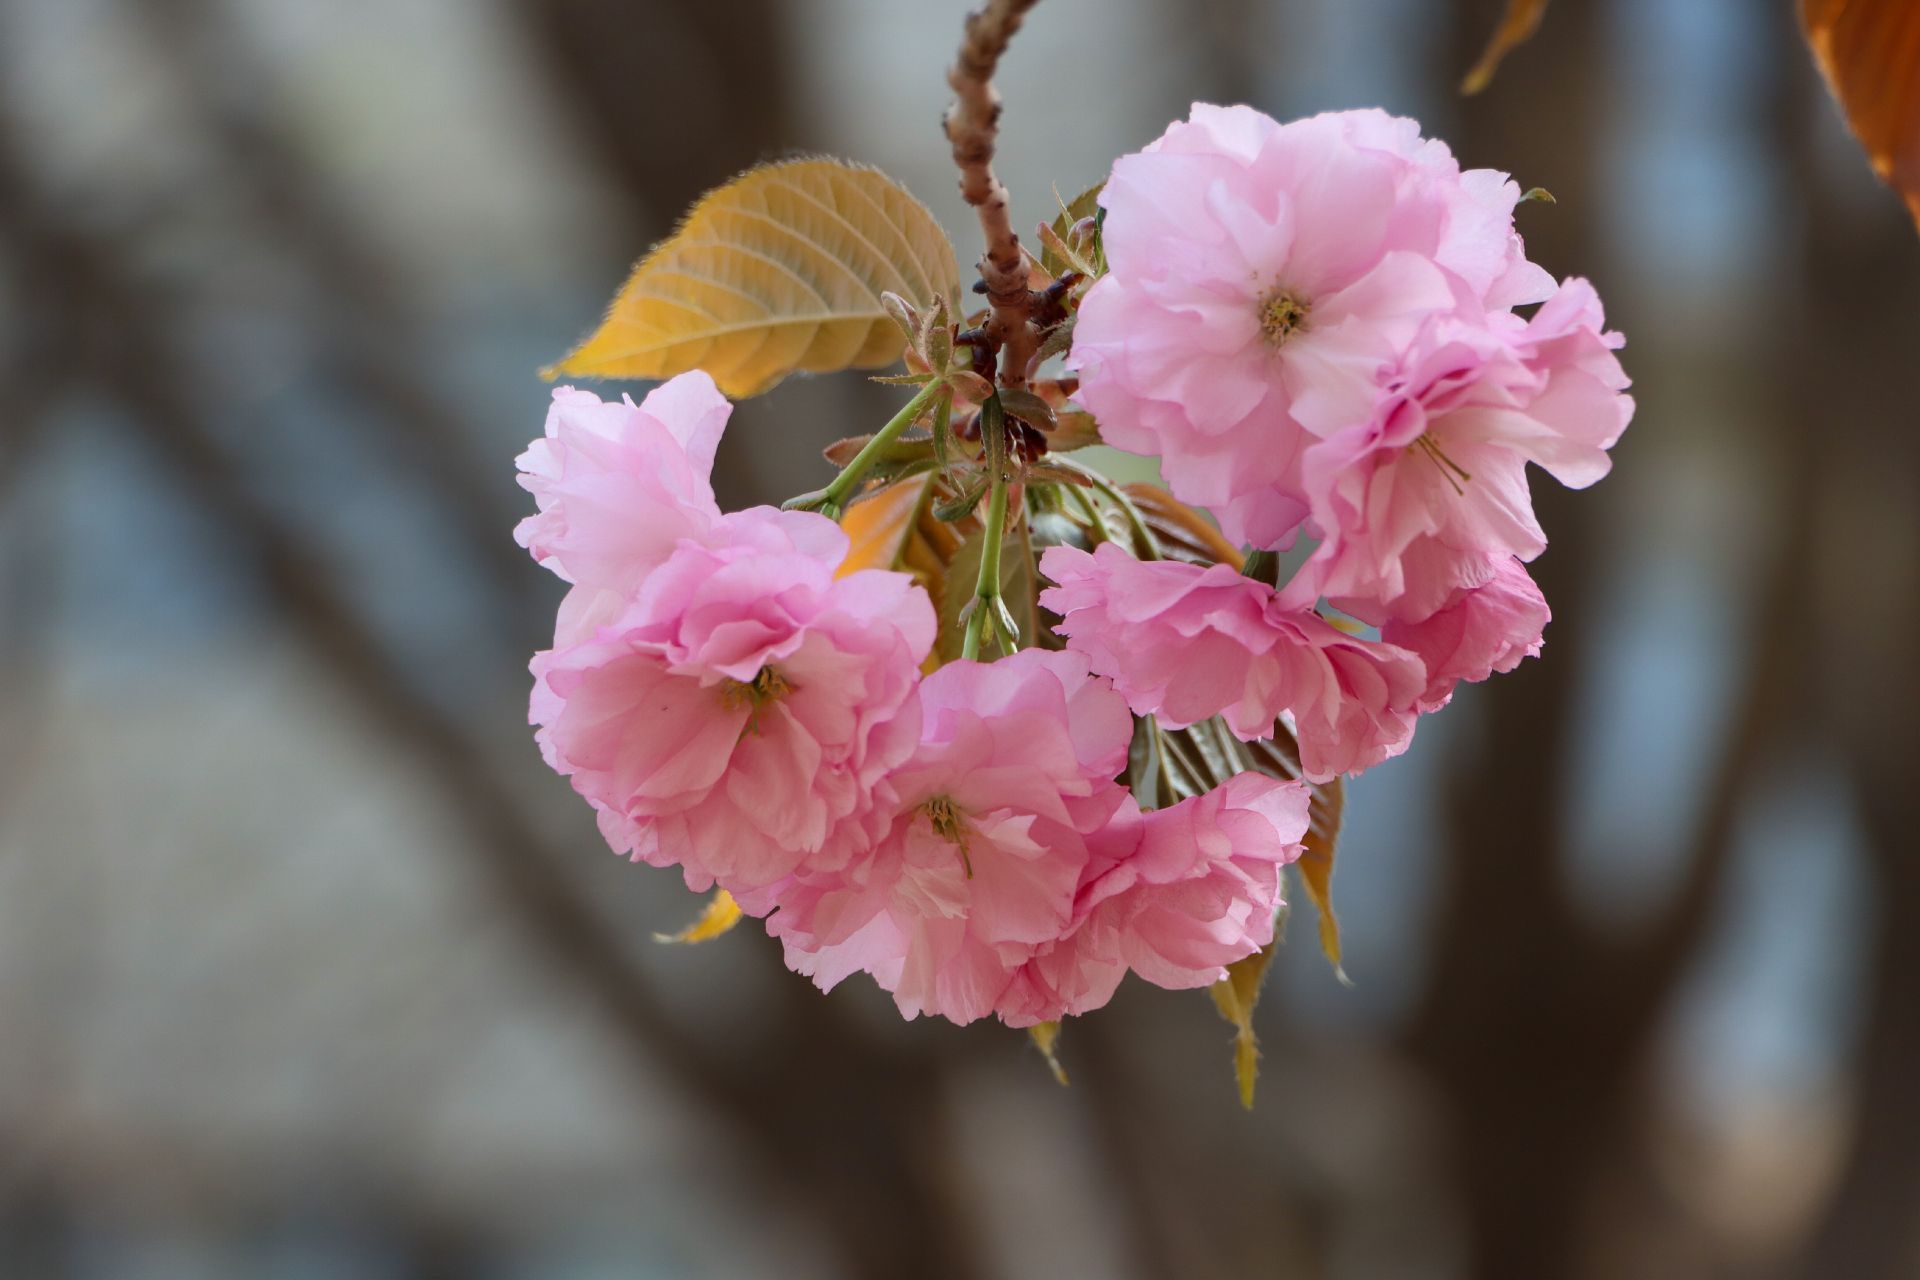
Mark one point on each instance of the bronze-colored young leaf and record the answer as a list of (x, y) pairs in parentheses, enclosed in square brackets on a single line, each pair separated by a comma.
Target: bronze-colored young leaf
[(1517, 25), (895, 529), (1869, 51), (1084, 205), (1235, 996), (783, 270), (1074, 429), (720, 914), (1182, 532), (1023, 404)]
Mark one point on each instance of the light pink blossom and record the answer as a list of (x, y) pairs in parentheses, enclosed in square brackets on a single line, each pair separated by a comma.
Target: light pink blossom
[(1184, 642), (735, 712), (1486, 628), (1414, 503), (619, 484), (1261, 278), (987, 843), (1196, 891)]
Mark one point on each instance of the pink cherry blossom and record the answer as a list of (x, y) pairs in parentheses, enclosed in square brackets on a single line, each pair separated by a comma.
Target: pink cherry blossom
[(1197, 891), (1486, 628), (1413, 502), (735, 712), (1262, 276), (1184, 642), (994, 821), (618, 484)]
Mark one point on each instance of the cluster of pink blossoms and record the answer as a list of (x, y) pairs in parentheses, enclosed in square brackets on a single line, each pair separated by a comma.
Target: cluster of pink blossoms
[(1312, 326), (731, 703)]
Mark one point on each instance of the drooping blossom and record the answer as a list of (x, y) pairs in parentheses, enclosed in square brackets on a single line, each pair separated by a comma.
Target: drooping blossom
[(1196, 891), (1262, 276), (1486, 628), (987, 840), (1184, 642), (1417, 501)]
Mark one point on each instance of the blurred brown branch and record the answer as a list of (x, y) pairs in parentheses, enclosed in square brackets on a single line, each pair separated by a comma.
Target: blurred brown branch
[(363, 325), (843, 1125)]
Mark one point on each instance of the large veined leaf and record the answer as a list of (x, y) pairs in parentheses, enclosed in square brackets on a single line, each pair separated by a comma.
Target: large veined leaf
[(780, 271), (1869, 51)]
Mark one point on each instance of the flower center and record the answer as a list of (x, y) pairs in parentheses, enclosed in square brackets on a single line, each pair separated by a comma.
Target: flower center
[(1449, 469), (949, 822), (768, 685), (1281, 316)]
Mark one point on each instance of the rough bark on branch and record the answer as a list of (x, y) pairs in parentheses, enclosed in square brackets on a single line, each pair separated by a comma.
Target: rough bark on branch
[(973, 125)]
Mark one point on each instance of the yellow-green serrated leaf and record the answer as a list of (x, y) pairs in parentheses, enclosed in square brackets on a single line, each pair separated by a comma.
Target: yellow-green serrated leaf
[(1235, 996), (779, 271), (1046, 1038), (720, 915)]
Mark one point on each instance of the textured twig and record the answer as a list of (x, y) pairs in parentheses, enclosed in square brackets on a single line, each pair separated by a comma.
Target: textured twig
[(973, 123)]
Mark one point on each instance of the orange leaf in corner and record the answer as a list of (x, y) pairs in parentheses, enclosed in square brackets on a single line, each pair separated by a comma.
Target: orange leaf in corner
[(1869, 51), (1517, 26)]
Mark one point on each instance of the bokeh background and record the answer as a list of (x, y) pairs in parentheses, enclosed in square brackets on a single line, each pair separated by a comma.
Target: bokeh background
[(308, 969)]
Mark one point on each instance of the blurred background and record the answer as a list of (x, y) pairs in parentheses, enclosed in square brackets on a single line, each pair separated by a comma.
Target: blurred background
[(309, 969)]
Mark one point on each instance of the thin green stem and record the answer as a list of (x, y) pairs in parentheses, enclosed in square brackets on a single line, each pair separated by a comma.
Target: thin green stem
[(832, 500), (987, 604), (1091, 510), (1262, 566), (1149, 546)]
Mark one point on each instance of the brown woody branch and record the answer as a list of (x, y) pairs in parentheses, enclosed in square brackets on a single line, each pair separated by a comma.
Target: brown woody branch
[(973, 123)]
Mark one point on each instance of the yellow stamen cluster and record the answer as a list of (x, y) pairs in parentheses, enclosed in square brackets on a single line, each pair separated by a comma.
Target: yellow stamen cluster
[(949, 823), (767, 685), (1281, 316)]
